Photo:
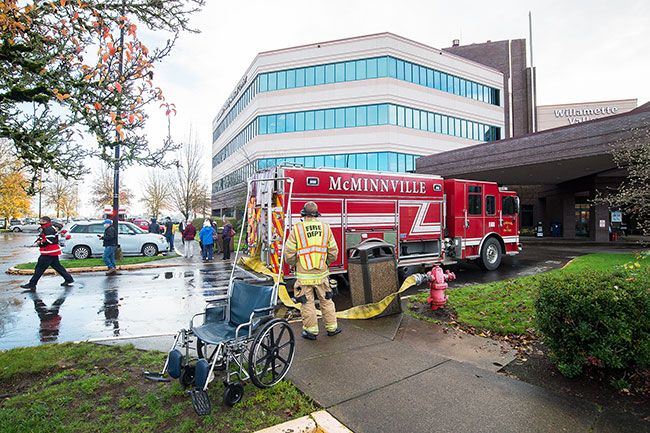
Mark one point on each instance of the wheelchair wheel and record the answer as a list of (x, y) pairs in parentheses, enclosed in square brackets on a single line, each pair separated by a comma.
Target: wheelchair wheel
[(233, 394), (271, 353), (187, 375)]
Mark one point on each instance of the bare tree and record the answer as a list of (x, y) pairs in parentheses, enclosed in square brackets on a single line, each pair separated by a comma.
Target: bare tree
[(188, 187), (156, 189), (102, 189), (63, 195)]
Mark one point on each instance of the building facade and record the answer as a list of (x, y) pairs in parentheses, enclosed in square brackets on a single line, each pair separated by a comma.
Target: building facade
[(374, 102), (555, 116)]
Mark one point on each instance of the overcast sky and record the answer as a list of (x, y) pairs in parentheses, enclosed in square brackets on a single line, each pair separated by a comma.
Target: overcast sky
[(583, 50)]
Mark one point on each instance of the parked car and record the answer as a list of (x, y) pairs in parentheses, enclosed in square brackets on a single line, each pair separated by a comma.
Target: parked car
[(26, 225), (142, 223), (82, 240)]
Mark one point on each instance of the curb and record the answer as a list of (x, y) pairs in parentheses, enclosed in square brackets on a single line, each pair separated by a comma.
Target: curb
[(49, 271), (317, 422)]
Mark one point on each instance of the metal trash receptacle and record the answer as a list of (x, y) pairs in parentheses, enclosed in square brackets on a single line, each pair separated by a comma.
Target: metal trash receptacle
[(372, 274)]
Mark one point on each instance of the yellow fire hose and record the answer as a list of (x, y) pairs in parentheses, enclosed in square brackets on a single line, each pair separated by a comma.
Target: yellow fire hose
[(365, 311)]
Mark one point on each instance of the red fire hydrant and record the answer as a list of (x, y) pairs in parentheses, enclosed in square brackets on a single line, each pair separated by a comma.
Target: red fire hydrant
[(437, 286)]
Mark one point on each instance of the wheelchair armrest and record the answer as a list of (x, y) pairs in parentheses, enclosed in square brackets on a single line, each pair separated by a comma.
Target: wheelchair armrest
[(193, 317), (261, 310)]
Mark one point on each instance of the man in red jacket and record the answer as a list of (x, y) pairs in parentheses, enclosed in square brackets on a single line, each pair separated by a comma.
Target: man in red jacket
[(48, 243)]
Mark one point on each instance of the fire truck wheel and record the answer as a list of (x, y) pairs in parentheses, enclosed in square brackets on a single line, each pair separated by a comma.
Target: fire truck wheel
[(490, 255)]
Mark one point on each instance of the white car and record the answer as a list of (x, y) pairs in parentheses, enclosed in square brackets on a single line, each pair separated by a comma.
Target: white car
[(24, 226), (81, 240)]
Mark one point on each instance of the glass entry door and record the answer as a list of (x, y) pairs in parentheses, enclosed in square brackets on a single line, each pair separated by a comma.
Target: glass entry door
[(582, 219)]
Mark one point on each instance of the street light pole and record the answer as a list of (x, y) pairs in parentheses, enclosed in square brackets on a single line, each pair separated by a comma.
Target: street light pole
[(118, 139)]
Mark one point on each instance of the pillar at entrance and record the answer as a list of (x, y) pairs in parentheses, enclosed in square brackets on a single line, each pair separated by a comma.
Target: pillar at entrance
[(599, 223), (568, 215)]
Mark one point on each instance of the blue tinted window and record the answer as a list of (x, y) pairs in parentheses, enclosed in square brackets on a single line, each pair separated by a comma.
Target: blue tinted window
[(340, 72), (408, 71), (319, 161), (431, 123), (291, 79), (300, 121), (361, 69), (372, 68), (263, 80), (416, 74), (437, 81), (475, 130), (320, 75), (350, 71), (392, 67), (457, 85), (480, 92), (409, 118), (291, 122), (309, 161), (329, 73), (474, 91), (310, 77), (372, 115), (423, 76), (320, 119), (392, 161), (383, 161), (273, 81), (444, 126), (438, 126), (329, 161), (463, 128), (423, 120), (463, 87), (340, 161), (416, 119), (262, 125), (362, 114), (400, 69), (372, 161), (392, 114), (281, 125), (271, 124), (282, 80), (410, 163), (401, 162), (350, 117), (329, 118), (401, 116), (383, 114), (361, 161), (430, 78), (309, 121), (300, 77), (382, 67), (340, 117), (457, 127), (486, 94)]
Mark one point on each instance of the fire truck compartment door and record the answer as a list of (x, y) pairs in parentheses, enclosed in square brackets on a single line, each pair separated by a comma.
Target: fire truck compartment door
[(420, 220)]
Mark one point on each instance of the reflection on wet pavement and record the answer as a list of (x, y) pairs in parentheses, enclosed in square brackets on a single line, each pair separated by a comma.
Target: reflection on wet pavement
[(161, 301)]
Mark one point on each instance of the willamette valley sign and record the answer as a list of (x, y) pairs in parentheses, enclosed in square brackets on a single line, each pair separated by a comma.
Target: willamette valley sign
[(553, 116)]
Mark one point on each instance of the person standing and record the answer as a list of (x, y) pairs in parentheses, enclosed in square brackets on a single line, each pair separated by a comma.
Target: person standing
[(215, 237), (226, 235), (311, 247), (169, 233), (207, 240), (48, 244), (188, 237), (181, 229), (154, 227), (110, 246)]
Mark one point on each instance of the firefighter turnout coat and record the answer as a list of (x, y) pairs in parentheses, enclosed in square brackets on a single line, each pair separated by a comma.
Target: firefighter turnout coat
[(311, 247)]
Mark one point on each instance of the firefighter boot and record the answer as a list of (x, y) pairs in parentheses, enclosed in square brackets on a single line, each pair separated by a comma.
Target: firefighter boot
[(308, 335)]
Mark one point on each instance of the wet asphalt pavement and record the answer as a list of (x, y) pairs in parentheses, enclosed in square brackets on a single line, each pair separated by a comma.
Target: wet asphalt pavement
[(161, 301)]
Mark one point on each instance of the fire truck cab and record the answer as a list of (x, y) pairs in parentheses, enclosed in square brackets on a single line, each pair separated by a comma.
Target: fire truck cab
[(429, 219)]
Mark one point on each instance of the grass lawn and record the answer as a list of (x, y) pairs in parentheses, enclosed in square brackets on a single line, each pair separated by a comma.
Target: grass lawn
[(74, 263), (506, 307), (92, 388)]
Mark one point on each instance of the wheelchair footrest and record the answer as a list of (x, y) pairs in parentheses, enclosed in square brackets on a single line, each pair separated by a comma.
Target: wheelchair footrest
[(201, 402), (155, 377)]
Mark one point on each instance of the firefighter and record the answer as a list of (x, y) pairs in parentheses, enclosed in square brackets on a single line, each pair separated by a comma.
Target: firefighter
[(311, 247)]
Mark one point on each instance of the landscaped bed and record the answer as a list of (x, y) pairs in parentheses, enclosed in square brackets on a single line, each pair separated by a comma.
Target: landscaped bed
[(91, 388), (85, 263)]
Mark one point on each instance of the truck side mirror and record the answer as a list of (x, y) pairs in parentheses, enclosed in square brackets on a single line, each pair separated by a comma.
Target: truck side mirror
[(516, 205)]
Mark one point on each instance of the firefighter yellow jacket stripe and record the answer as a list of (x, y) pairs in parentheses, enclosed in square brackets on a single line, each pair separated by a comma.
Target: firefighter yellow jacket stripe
[(311, 247)]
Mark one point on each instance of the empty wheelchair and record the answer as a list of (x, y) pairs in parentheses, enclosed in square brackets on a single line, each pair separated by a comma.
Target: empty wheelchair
[(239, 338)]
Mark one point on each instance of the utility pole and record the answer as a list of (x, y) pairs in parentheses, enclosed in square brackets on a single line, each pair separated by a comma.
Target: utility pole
[(118, 139)]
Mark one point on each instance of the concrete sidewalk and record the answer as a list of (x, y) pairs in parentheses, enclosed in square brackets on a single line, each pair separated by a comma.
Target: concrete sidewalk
[(398, 374)]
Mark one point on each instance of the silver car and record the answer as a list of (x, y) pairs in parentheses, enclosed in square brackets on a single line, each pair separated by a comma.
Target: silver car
[(26, 225), (82, 240)]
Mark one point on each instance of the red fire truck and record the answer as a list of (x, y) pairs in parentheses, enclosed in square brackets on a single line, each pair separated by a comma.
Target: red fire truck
[(429, 219)]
